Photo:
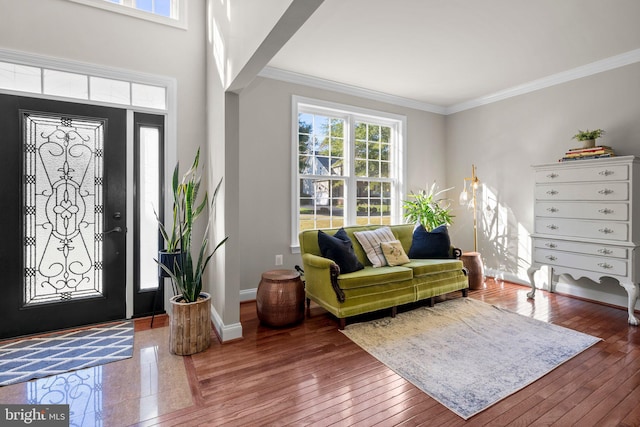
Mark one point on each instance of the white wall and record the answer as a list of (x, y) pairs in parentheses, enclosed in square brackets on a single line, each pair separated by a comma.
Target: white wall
[(250, 21), (505, 138), (265, 167)]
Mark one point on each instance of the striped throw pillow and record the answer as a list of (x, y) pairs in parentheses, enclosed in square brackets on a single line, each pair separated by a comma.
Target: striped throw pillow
[(370, 241)]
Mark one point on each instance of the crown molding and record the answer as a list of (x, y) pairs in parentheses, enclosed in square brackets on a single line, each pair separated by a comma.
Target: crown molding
[(606, 64), (603, 65), (306, 80)]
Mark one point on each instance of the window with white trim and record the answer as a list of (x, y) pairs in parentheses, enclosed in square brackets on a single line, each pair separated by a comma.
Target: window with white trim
[(348, 166), (169, 12), (168, 8)]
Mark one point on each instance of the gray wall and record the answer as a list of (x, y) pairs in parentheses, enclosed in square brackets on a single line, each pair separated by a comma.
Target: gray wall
[(265, 166), (505, 138)]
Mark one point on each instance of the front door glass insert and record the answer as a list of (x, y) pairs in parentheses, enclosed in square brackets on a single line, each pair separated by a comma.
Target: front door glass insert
[(63, 208)]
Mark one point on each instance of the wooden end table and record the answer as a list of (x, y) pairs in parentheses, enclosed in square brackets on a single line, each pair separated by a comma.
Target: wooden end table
[(473, 263)]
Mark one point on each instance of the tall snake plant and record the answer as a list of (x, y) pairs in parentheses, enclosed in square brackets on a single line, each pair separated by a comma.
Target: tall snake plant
[(186, 276)]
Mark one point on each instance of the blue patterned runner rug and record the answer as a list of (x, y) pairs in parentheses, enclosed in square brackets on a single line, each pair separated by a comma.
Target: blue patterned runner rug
[(58, 353)]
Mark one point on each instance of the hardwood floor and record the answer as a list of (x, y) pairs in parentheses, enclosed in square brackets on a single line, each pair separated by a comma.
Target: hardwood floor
[(311, 374)]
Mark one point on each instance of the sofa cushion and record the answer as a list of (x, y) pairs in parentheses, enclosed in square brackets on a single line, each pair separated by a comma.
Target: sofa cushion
[(339, 249), (393, 253), (434, 244), (370, 242), (424, 267), (374, 276)]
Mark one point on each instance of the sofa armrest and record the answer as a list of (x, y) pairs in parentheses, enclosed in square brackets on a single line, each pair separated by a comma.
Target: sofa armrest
[(319, 272), (457, 253)]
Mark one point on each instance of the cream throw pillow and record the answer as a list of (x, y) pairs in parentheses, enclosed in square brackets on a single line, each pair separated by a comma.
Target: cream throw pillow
[(394, 253), (370, 241)]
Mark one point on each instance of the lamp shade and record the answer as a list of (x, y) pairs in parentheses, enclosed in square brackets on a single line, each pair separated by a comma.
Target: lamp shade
[(464, 197)]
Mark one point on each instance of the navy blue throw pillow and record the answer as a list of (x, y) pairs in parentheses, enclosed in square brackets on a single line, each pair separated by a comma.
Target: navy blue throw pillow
[(339, 249), (434, 244)]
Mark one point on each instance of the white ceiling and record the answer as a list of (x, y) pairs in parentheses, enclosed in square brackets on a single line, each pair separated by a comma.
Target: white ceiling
[(448, 53)]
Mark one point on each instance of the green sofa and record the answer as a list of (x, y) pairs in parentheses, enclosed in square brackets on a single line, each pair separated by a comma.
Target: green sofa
[(371, 289)]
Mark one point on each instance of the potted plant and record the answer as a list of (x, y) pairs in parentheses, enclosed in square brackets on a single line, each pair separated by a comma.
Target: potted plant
[(190, 324), (588, 137), (171, 255), (428, 208)]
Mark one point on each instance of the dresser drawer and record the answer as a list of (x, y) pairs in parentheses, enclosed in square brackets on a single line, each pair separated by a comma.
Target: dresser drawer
[(594, 173), (607, 266), (581, 228), (596, 191), (582, 248), (581, 210)]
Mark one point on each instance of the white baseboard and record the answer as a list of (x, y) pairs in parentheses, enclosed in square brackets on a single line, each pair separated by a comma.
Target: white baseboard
[(233, 331), (599, 293), (225, 332), (248, 294), (621, 301)]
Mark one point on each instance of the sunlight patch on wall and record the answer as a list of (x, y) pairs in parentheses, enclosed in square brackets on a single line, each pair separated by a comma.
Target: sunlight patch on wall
[(218, 51), (504, 242)]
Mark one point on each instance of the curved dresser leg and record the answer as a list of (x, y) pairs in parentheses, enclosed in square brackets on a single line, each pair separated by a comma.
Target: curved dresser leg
[(632, 291), (530, 272)]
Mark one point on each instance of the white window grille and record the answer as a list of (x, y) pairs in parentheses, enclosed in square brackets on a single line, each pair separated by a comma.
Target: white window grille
[(348, 166)]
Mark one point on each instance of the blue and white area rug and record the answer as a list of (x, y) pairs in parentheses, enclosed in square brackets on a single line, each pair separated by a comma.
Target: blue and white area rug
[(466, 354), (54, 354)]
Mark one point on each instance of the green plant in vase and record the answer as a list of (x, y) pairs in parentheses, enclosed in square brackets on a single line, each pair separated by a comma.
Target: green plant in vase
[(428, 208), (588, 137), (186, 275), (585, 135)]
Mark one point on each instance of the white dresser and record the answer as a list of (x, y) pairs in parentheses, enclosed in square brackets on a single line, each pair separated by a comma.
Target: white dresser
[(584, 211)]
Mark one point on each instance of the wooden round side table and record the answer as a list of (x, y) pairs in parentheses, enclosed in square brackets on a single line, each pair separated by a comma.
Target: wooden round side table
[(473, 263), (280, 298)]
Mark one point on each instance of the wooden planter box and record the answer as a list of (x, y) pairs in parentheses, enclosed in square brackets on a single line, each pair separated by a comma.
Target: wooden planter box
[(190, 325)]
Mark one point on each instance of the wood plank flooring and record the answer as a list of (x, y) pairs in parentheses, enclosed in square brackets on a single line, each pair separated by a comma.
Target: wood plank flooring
[(311, 374)]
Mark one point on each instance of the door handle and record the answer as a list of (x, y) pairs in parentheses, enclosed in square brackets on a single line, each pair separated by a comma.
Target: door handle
[(113, 230)]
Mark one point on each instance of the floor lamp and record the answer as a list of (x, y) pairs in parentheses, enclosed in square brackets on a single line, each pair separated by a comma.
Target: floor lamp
[(472, 261), (464, 200)]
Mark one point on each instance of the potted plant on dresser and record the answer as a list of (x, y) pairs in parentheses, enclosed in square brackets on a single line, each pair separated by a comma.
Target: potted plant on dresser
[(189, 320), (588, 137)]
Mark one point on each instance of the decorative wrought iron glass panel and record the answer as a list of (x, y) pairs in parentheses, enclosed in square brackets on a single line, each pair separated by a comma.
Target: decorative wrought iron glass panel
[(63, 208)]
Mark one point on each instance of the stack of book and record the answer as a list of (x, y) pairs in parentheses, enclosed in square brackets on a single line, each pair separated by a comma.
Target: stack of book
[(588, 153)]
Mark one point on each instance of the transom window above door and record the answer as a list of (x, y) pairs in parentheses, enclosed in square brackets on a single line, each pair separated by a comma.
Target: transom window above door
[(170, 12), (348, 166)]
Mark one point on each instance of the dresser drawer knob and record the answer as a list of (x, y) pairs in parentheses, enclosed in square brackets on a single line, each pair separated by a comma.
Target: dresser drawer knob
[(605, 251), (605, 211), (552, 227), (551, 258), (605, 191), (606, 230), (552, 209), (606, 172), (604, 265), (552, 175), (552, 192), (551, 245)]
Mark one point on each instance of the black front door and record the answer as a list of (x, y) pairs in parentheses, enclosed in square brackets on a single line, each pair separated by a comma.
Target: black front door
[(62, 216)]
